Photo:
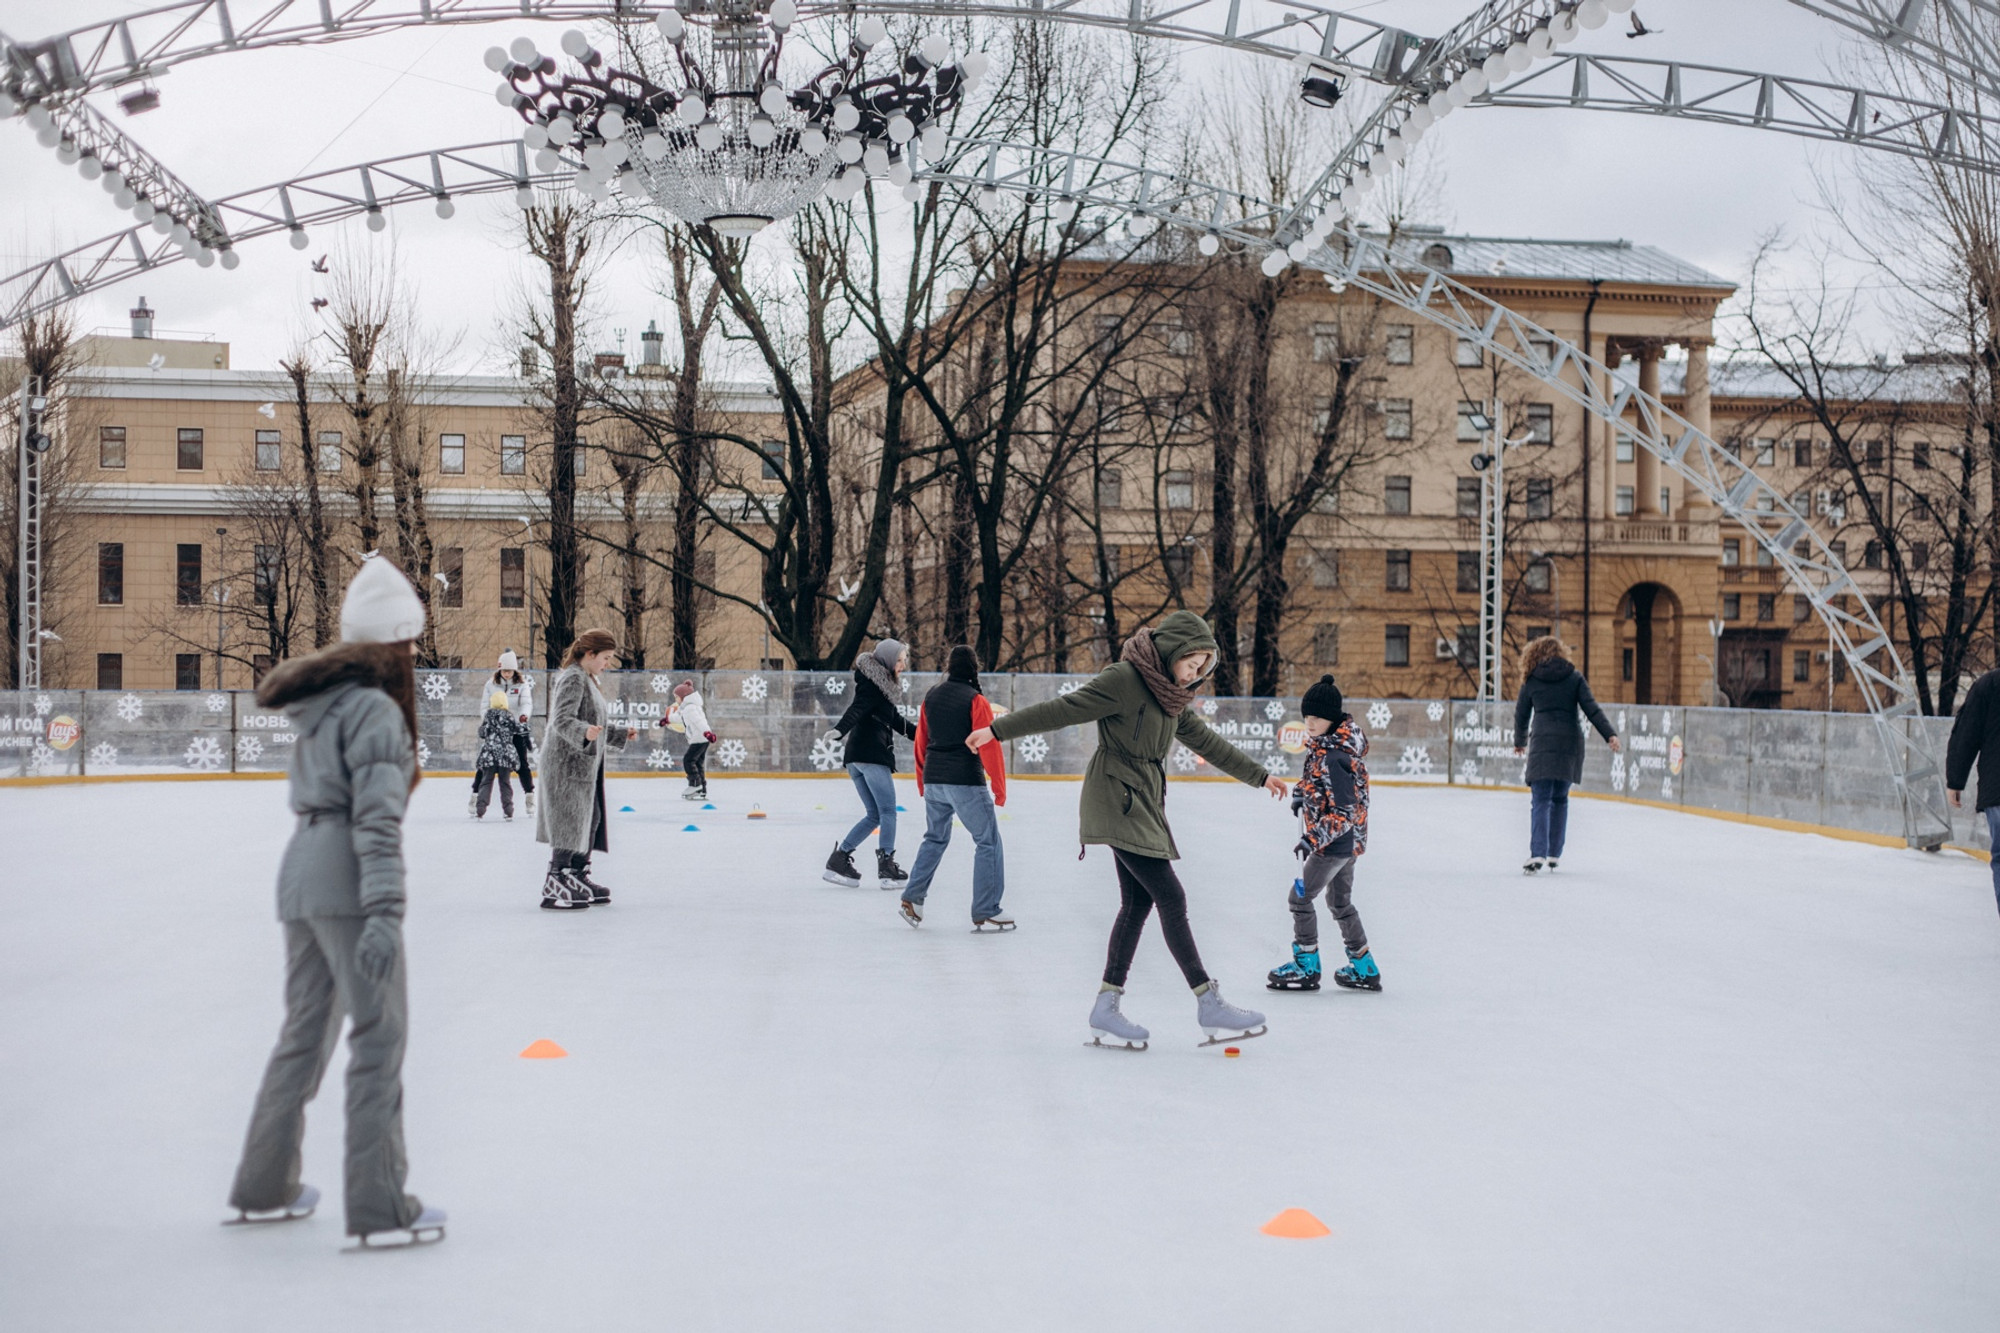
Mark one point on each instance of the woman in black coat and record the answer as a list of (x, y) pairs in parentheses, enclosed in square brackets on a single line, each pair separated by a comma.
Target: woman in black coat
[(1552, 690), (870, 725)]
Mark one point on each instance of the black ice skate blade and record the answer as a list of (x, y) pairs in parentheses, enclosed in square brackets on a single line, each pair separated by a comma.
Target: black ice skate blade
[(1116, 1045), (1358, 985), (402, 1238), (987, 928), (1291, 985), (1241, 1036)]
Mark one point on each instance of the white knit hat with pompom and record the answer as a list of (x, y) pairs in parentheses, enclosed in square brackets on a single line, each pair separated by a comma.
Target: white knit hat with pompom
[(380, 606)]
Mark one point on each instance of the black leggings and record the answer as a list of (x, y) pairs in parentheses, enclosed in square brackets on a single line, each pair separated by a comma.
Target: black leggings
[(695, 764), (1146, 882)]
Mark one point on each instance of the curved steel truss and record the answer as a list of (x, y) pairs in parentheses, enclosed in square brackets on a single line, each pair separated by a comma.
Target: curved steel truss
[(1967, 40)]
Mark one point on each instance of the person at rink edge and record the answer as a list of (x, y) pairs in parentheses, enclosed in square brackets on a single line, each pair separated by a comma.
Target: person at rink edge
[(571, 819), (1332, 800), (1140, 705), (509, 680), (498, 731), (1552, 691), (1975, 734), (341, 899), (688, 715), (870, 724), (953, 782)]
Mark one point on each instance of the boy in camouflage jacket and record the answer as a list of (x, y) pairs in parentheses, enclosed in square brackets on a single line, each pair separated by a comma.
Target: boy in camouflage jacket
[(1332, 801)]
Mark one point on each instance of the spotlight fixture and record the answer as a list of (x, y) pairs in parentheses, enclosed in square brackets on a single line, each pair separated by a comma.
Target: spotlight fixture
[(140, 100), (1321, 90)]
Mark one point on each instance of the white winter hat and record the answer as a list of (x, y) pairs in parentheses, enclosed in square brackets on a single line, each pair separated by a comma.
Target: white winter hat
[(380, 606), (509, 662)]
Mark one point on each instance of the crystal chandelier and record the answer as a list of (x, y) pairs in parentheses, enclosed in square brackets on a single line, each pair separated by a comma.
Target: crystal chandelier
[(734, 148)]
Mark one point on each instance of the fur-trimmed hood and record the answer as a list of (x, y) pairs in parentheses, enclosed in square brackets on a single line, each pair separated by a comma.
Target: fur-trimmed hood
[(303, 677)]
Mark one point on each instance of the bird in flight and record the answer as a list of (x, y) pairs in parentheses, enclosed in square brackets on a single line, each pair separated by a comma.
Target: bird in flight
[(1639, 29), (319, 303), (319, 265)]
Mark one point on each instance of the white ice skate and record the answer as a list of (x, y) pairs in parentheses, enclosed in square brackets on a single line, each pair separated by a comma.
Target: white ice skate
[(1535, 865), (1107, 1021), (472, 805), (991, 925), (426, 1230), (1552, 865), (300, 1207), (1217, 1015), (527, 803)]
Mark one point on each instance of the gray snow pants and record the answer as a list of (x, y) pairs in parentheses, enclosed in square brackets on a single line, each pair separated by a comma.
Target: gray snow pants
[(1334, 875), (321, 985)]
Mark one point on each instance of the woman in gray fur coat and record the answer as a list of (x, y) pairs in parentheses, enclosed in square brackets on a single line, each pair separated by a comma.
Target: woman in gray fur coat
[(571, 816)]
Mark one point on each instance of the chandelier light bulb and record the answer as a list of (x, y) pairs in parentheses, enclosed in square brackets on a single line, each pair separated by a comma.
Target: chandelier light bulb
[(38, 116), (653, 146), (933, 141), (812, 141), (48, 136), (617, 152), (989, 197), (505, 94), (524, 52), (67, 153), (871, 31), (784, 13), (875, 159), (848, 150), (125, 198), (596, 158), (299, 238), (708, 137), (1378, 163), (88, 167), (901, 128), (1298, 251), (376, 221), (693, 110), (772, 98), (204, 257), (1540, 42), (548, 161), (230, 259), (974, 67), (179, 233), (1517, 57), (142, 209), (935, 49), (1065, 209), (1592, 13), (901, 172), (524, 197), (445, 208), (846, 116), (1563, 28), (670, 25), (111, 180), (497, 59), (762, 132), (1494, 67), (1475, 82), (1421, 117), (163, 223), (575, 45), (561, 130), (1275, 262), (536, 137), (612, 123), (1394, 149), (1209, 243), (913, 192)]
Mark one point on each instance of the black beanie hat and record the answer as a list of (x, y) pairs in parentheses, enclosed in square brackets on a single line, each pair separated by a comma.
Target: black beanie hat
[(1323, 700), (962, 664)]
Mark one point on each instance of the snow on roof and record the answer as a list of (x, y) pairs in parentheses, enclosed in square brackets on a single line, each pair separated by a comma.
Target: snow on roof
[(1872, 381), (1518, 257)]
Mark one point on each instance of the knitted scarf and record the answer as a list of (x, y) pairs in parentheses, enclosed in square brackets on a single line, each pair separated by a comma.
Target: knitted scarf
[(1144, 655)]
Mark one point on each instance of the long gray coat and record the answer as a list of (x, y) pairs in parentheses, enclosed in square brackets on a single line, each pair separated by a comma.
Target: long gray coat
[(1552, 694), (573, 767), (350, 780)]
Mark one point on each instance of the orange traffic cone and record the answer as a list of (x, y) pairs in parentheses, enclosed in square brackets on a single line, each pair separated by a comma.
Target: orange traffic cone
[(756, 812), (1295, 1224), (543, 1049)]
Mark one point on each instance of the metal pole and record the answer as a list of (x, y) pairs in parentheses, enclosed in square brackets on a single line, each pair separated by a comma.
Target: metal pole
[(221, 595), (28, 502), (21, 535), (1496, 567)]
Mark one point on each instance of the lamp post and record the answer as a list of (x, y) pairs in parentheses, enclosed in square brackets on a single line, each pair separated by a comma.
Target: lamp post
[(31, 442), (1492, 467), (528, 577)]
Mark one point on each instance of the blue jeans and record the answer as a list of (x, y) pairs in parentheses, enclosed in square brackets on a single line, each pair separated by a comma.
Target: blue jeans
[(974, 807), (877, 786), (1993, 845), (1548, 816)]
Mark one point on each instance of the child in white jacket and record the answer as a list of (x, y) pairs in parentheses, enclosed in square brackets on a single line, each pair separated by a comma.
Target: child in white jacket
[(690, 717)]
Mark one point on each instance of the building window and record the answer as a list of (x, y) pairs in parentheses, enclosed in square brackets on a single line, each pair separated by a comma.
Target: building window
[(1399, 345), (1732, 606), (1468, 354), (1326, 645), (451, 564), (513, 455), (1621, 449), (270, 451), (1871, 555), (1767, 453), (1802, 453), (773, 460), (187, 575), (1874, 453), (1767, 606), (1801, 665), (513, 577), (451, 455), (329, 451), (1468, 497), (1765, 559), (1541, 419), (1667, 501), (1396, 645), (1541, 498), (1328, 502), (1180, 490), (187, 671), (1625, 662), (1179, 561), (579, 459), (1536, 577), (187, 449), (1395, 495), (1111, 489), (1801, 610), (1839, 664), (1176, 338), (1396, 565), (111, 573), (1839, 550), (1324, 568), (1920, 507), (1466, 645), (264, 580), (111, 448), (1398, 421), (1732, 552), (1920, 456), (1326, 342), (1539, 632), (1468, 427), (111, 671), (1621, 503), (1468, 571), (1920, 555)]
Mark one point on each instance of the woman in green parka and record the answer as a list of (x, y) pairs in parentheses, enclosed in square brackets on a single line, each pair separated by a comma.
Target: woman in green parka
[(1140, 706)]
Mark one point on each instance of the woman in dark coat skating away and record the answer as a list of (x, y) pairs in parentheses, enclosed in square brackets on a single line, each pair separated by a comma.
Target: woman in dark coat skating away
[(872, 721), (1552, 690)]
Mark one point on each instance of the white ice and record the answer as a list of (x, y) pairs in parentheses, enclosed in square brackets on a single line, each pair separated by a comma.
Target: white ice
[(1708, 1076)]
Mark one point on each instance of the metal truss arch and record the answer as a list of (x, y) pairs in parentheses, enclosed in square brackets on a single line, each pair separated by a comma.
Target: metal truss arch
[(1968, 45)]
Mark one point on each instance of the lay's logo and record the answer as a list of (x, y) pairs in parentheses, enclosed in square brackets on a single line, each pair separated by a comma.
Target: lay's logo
[(64, 731)]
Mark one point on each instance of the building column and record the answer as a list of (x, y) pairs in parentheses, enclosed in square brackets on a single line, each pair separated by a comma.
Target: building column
[(1695, 394), (1647, 501), (1607, 492)]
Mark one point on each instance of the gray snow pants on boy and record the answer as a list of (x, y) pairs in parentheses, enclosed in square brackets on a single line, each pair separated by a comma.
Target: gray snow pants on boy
[(1335, 875), (321, 985)]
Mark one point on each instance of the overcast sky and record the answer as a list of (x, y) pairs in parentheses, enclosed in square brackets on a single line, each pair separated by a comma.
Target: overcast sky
[(229, 123)]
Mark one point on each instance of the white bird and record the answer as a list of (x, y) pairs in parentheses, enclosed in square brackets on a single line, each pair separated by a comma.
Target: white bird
[(268, 411), (156, 362), (438, 574), (848, 590)]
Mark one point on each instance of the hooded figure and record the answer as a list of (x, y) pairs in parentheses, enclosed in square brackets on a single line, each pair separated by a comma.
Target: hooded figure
[(341, 899), (872, 720)]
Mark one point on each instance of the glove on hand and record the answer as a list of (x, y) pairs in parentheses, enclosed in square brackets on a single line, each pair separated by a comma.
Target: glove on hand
[(708, 736), (381, 944)]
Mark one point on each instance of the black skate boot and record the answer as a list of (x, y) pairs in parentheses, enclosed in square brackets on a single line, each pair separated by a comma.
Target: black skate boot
[(888, 874), (1359, 974), (841, 870), (560, 893), (599, 895)]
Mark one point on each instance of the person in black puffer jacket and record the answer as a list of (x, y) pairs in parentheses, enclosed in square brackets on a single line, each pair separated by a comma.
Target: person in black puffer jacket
[(870, 724), (1552, 690)]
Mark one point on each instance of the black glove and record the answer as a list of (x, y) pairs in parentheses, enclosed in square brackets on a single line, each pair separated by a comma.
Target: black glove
[(381, 944)]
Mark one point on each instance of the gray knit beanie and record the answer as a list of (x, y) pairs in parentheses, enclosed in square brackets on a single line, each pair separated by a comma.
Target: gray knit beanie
[(889, 652)]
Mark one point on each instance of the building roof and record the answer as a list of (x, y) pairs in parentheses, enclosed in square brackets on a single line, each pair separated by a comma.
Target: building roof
[(261, 386), (1882, 382), (1576, 261)]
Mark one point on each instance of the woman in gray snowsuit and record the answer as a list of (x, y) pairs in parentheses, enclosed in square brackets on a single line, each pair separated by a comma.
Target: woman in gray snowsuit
[(1552, 691), (571, 816), (340, 897)]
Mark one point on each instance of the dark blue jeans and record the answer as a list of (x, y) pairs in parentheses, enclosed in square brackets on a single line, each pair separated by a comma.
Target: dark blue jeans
[(1993, 844), (1548, 816), (877, 786)]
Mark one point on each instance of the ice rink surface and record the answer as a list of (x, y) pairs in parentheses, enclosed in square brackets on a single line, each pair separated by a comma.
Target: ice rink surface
[(1709, 1076)]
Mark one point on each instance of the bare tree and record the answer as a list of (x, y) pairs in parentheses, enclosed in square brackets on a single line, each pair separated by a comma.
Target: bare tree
[(560, 238), (42, 347), (319, 552)]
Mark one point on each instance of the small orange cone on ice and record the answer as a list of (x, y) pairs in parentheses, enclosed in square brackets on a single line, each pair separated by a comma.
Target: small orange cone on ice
[(756, 812), (1295, 1224), (543, 1049)]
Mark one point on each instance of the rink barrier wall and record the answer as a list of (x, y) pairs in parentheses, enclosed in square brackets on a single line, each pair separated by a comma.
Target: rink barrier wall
[(1817, 771)]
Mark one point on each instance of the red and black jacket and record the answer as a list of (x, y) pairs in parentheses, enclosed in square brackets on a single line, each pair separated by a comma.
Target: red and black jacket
[(952, 711)]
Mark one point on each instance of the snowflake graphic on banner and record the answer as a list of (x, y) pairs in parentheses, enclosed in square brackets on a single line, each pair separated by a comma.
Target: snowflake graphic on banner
[(1617, 771), (1621, 720), (826, 752), (45, 705), (1434, 711), (1632, 778), (1185, 759), (836, 685), (1472, 717), (1416, 761), (660, 759), (1032, 749), (1277, 763), (1469, 771), (218, 703), (204, 754), (1666, 723), (1208, 707), (731, 754), (662, 685), (436, 686), (423, 754), (755, 688), (1667, 787), (249, 749), (1274, 710), (103, 755), (1069, 687), (43, 758), (1379, 715), (130, 706)]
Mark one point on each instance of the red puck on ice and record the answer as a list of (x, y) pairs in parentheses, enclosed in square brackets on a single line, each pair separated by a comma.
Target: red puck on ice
[(1232, 1051)]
